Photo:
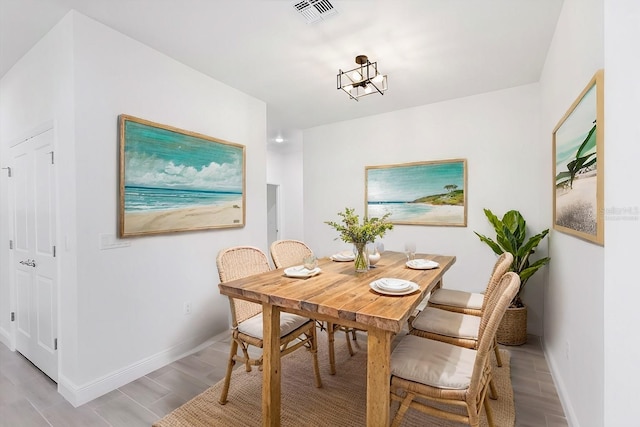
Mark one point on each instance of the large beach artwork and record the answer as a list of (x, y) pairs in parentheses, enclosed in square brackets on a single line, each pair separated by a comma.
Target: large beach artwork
[(578, 167), (422, 193), (175, 180)]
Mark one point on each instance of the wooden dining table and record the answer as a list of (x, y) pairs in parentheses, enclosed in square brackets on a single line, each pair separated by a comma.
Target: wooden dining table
[(338, 295)]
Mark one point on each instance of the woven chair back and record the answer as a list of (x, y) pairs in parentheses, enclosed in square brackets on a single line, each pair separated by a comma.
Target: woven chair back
[(236, 263), (497, 305), (502, 265), (287, 253)]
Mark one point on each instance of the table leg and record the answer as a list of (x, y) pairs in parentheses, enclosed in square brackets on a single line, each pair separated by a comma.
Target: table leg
[(378, 376), (271, 366)]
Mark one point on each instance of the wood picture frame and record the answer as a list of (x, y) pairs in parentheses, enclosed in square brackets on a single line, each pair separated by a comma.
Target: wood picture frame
[(174, 180), (418, 193), (578, 165)]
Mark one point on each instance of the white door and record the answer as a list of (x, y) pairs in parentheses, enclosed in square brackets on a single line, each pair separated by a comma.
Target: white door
[(35, 272)]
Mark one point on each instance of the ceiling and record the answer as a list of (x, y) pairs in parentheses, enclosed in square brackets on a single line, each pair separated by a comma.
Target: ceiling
[(431, 50)]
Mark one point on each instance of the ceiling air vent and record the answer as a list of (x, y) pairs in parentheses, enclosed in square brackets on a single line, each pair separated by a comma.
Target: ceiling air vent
[(314, 10)]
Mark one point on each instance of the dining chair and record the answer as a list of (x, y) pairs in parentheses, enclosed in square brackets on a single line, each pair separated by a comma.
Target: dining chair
[(246, 317), (462, 301), (425, 372), (457, 327), (287, 253)]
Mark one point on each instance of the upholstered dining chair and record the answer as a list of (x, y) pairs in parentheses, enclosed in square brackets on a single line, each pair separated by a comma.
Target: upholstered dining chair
[(451, 376), (287, 253), (455, 327), (462, 301), (246, 317)]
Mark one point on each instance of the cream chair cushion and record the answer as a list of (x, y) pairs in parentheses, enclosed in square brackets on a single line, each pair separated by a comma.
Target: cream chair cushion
[(288, 323), (457, 298), (448, 323), (433, 363)]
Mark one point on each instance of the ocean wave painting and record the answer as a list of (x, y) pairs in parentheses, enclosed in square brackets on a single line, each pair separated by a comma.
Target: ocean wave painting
[(176, 180), (424, 193)]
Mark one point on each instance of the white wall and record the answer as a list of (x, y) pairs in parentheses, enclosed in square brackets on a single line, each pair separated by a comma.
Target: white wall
[(573, 316), (622, 134), (122, 309), (498, 133)]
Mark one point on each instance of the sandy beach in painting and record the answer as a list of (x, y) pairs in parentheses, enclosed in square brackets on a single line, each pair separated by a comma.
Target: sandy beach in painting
[(583, 191), (184, 219), (442, 214)]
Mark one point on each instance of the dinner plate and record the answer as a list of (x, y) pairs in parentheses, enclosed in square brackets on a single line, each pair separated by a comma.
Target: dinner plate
[(300, 271), (343, 256), (393, 285), (409, 289), (422, 264)]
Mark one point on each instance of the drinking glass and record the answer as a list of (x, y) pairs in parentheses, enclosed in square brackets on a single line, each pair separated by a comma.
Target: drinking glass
[(410, 250), (310, 262)]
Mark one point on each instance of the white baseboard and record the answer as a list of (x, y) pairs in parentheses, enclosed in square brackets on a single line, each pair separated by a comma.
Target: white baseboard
[(5, 338), (80, 394), (569, 413)]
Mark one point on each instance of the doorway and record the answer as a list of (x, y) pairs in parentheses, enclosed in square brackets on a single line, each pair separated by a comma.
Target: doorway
[(34, 268), (273, 217)]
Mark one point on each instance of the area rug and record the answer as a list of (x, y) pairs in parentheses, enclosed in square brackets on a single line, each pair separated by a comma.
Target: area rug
[(340, 402)]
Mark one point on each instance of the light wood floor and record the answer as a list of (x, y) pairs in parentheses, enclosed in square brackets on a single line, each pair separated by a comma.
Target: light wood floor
[(29, 398)]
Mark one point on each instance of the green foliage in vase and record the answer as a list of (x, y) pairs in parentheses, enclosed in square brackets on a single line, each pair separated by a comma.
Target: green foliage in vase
[(510, 237), (352, 231)]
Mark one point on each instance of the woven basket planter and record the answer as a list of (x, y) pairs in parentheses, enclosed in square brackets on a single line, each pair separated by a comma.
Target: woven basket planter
[(513, 328)]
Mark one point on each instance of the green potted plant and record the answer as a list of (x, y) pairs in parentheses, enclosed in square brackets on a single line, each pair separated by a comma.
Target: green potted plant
[(511, 236), (351, 231)]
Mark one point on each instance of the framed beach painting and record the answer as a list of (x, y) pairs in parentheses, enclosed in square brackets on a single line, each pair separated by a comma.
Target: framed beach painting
[(420, 193), (578, 175), (174, 180)]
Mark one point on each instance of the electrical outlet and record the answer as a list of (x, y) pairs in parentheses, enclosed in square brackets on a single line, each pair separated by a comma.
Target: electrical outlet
[(186, 308)]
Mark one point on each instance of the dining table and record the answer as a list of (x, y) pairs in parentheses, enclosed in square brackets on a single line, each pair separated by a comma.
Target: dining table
[(340, 295)]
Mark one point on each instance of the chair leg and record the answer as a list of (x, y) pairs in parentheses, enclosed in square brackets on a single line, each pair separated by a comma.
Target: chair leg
[(493, 393), (354, 336), (332, 354), (314, 354), (487, 410), (351, 352), (497, 351), (397, 420), (227, 378)]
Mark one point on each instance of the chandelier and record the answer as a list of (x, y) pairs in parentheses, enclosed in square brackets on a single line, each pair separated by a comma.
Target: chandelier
[(362, 80)]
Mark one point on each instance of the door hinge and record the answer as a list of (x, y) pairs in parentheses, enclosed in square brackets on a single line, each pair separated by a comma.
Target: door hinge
[(55, 343), (13, 316), (8, 171), (54, 251), (10, 244), (52, 158)]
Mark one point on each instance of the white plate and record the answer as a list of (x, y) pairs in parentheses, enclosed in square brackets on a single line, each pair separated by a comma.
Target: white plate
[(393, 285), (413, 287), (422, 264), (343, 256), (300, 271)]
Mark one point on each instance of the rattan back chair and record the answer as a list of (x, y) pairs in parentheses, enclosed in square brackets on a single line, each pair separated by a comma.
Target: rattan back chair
[(287, 253), (456, 327), (467, 302), (246, 317), (425, 372)]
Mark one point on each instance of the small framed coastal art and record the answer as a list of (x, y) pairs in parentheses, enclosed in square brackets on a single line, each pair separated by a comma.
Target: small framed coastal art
[(419, 193), (578, 175), (175, 180)]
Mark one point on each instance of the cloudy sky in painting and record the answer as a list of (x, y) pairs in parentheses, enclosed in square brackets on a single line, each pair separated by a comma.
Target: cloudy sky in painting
[(161, 158)]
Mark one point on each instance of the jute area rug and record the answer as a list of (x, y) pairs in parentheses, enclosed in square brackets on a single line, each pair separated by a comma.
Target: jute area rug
[(340, 402)]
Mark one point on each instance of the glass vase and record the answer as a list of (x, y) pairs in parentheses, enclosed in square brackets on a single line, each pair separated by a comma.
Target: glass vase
[(361, 262)]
